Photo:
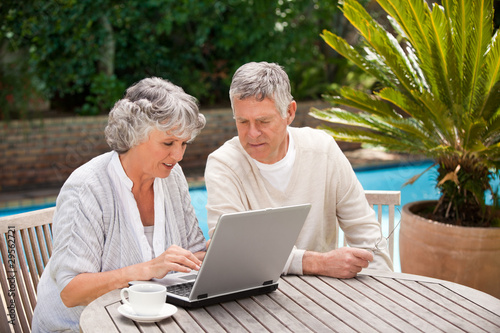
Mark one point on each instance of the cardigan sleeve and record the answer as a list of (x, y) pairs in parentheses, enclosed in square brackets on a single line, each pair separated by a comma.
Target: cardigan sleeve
[(191, 237), (78, 235)]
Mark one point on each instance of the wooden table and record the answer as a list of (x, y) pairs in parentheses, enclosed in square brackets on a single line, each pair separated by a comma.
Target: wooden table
[(371, 302)]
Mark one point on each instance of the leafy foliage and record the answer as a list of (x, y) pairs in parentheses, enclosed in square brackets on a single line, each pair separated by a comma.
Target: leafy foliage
[(195, 44), (439, 69)]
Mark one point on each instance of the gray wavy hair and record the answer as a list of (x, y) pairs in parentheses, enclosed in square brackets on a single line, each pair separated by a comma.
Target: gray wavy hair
[(152, 103), (261, 80)]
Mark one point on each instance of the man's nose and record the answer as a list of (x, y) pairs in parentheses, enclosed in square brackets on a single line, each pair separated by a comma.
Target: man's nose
[(254, 131)]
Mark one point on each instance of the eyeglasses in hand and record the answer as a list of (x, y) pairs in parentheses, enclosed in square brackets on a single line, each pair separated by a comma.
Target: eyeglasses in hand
[(381, 246)]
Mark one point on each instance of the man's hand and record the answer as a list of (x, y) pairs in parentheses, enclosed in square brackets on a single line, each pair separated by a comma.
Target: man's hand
[(344, 262)]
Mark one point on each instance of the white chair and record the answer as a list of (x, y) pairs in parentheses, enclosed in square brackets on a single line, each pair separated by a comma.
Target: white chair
[(380, 199), (25, 246)]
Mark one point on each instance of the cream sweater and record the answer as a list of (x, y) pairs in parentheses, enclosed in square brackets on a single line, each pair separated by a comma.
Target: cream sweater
[(322, 176)]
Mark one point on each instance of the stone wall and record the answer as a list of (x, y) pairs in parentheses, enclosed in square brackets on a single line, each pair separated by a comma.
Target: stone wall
[(42, 153)]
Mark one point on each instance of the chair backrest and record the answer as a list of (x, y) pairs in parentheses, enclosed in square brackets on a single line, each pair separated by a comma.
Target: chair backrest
[(378, 199), (25, 246)]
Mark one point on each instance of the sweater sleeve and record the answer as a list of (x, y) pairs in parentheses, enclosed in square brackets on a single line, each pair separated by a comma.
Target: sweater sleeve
[(224, 191), (355, 216)]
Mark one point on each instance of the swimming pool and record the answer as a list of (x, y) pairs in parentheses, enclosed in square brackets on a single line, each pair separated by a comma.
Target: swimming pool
[(388, 178)]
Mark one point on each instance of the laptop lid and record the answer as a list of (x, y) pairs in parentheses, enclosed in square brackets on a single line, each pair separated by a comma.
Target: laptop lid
[(246, 256)]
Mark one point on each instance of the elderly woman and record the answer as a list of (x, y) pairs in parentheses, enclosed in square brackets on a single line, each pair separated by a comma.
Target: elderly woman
[(125, 215)]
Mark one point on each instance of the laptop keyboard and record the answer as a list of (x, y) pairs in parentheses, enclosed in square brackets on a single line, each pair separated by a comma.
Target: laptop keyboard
[(183, 289)]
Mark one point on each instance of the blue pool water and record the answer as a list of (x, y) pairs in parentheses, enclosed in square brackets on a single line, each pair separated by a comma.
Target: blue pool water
[(389, 178), (12, 211)]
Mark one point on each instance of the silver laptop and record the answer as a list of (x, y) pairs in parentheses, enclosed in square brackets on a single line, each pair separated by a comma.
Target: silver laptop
[(246, 257)]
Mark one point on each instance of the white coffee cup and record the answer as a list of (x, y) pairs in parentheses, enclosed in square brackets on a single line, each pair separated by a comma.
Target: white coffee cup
[(145, 299)]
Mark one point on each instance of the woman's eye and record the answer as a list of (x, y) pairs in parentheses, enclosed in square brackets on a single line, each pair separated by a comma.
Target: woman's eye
[(168, 143)]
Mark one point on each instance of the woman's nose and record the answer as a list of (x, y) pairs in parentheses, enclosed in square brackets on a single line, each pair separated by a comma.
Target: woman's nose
[(178, 152)]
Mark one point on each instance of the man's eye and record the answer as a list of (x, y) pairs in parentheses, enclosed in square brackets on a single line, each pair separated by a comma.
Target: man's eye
[(168, 143)]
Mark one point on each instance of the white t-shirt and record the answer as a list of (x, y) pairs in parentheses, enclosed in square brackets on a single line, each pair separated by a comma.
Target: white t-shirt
[(279, 173)]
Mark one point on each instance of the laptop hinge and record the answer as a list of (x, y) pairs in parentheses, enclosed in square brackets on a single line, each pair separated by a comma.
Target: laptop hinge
[(267, 282), (202, 296)]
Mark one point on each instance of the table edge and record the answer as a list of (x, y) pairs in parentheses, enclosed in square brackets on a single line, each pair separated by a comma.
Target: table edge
[(479, 297)]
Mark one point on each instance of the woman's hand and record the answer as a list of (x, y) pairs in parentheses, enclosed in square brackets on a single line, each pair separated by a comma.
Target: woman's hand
[(175, 258), (86, 287)]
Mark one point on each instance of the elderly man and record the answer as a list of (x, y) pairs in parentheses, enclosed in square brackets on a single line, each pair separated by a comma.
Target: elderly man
[(271, 164)]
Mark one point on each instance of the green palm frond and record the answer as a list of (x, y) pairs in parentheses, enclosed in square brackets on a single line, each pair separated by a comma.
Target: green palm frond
[(478, 39), (474, 132), (406, 130), (440, 78), (349, 52), (359, 120), (493, 61), (362, 101), (458, 11), (427, 110), (411, 18), (366, 136), (385, 44), (424, 82), (438, 35), (492, 84)]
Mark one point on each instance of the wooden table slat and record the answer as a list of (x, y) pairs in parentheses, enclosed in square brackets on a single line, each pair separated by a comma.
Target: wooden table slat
[(148, 327), (265, 318), (292, 306), (226, 319), (324, 307), (123, 324), (169, 325), (473, 307), (362, 307), (186, 322), (105, 323), (289, 321), (461, 310), (427, 300), (207, 322), (398, 316), (410, 305)]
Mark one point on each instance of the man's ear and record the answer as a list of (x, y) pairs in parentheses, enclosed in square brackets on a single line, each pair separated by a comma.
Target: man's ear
[(290, 113)]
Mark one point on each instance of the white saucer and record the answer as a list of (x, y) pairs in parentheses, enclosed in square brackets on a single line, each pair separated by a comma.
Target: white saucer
[(167, 311)]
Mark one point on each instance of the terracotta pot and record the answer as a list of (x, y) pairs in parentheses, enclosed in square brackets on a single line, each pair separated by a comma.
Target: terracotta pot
[(466, 255)]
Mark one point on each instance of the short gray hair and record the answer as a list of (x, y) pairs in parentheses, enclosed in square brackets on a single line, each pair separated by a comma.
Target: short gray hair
[(152, 103), (262, 80)]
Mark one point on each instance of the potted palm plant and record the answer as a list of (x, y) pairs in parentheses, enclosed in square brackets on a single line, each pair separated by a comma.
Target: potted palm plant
[(438, 69)]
